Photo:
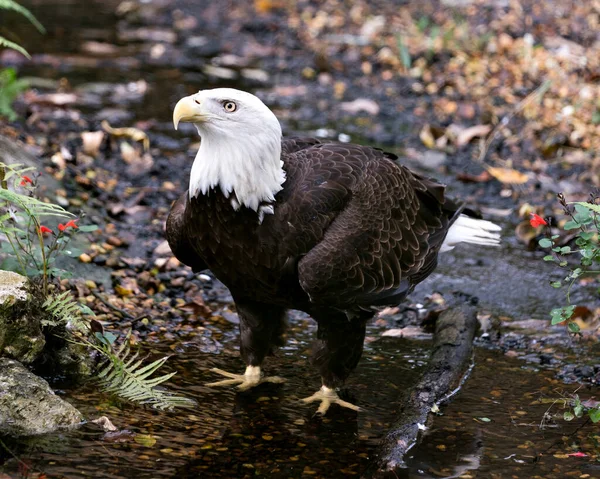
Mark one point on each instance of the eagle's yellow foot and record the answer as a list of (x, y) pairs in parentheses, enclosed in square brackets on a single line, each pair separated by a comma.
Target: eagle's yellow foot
[(252, 377), (328, 397)]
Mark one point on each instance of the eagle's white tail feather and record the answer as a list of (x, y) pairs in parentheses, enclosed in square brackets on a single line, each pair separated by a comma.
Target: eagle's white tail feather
[(471, 230)]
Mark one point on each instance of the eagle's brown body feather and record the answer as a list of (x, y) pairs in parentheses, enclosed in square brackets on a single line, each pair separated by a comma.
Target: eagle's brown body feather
[(351, 229)]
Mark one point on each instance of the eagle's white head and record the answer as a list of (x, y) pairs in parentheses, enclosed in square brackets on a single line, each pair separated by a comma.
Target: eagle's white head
[(240, 151)]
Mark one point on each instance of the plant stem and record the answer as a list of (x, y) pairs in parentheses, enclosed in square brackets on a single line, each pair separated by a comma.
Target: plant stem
[(43, 253), (18, 256)]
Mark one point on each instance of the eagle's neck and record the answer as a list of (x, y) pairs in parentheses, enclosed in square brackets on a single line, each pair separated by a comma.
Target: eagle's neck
[(246, 168)]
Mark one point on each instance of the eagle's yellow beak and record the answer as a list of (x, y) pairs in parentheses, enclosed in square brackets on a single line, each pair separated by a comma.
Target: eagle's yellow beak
[(187, 109)]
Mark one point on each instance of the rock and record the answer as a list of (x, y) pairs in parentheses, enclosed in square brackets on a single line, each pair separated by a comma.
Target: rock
[(12, 286), (163, 249), (21, 336), (28, 406), (432, 159), (584, 371)]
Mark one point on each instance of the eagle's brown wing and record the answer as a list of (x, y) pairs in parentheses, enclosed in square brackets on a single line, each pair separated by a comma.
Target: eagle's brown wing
[(379, 226), (178, 240)]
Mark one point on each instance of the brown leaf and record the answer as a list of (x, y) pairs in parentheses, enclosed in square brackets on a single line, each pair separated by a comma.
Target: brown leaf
[(526, 233), (197, 308), (482, 177), (508, 175)]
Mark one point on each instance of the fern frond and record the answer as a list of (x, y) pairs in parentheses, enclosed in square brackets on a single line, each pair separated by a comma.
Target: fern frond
[(15, 169), (65, 310), (123, 375), (4, 42), (12, 5), (33, 206)]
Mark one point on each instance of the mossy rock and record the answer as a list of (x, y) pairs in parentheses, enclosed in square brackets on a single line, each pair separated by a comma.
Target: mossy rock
[(23, 338), (21, 335), (28, 406)]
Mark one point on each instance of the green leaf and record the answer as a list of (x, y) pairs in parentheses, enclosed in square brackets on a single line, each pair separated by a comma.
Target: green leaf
[(594, 415), (565, 250), (88, 228), (549, 258), (556, 284), (404, 53), (485, 419), (589, 206), (571, 225), (14, 46), (559, 315), (578, 409), (582, 214), (574, 327), (568, 416), (545, 243), (12, 5)]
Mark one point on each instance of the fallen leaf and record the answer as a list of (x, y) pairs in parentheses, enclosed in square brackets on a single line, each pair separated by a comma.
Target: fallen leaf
[(121, 291), (91, 142), (466, 135), (482, 177), (360, 104), (197, 308), (105, 423), (118, 436), (427, 137), (145, 440), (508, 175)]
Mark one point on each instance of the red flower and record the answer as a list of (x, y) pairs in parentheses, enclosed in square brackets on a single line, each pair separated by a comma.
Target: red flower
[(44, 230), (25, 179), (69, 224), (577, 454), (537, 220)]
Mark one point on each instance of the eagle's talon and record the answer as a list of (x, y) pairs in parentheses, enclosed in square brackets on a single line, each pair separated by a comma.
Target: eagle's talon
[(328, 397), (252, 377)]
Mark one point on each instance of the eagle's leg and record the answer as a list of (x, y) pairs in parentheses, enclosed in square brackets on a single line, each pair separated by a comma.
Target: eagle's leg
[(336, 353), (262, 329)]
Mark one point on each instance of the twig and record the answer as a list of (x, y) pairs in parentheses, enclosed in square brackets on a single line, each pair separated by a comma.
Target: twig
[(537, 93), (112, 306)]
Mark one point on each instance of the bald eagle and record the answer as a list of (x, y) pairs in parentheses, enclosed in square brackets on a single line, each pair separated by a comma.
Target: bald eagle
[(334, 230)]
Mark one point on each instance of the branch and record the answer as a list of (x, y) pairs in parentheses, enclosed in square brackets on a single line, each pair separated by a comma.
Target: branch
[(448, 368)]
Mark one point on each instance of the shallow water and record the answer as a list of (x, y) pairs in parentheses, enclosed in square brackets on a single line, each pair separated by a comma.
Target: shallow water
[(491, 428)]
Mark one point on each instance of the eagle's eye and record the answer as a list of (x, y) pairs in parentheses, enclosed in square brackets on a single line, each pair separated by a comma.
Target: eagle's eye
[(229, 106)]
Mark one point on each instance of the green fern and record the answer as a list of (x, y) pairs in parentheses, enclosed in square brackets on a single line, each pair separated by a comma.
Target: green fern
[(64, 309), (124, 376), (14, 6), (4, 42), (32, 206)]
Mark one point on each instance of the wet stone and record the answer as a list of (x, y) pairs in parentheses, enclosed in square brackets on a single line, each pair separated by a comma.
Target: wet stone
[(114, 115), (584, 371), (202, 46)]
